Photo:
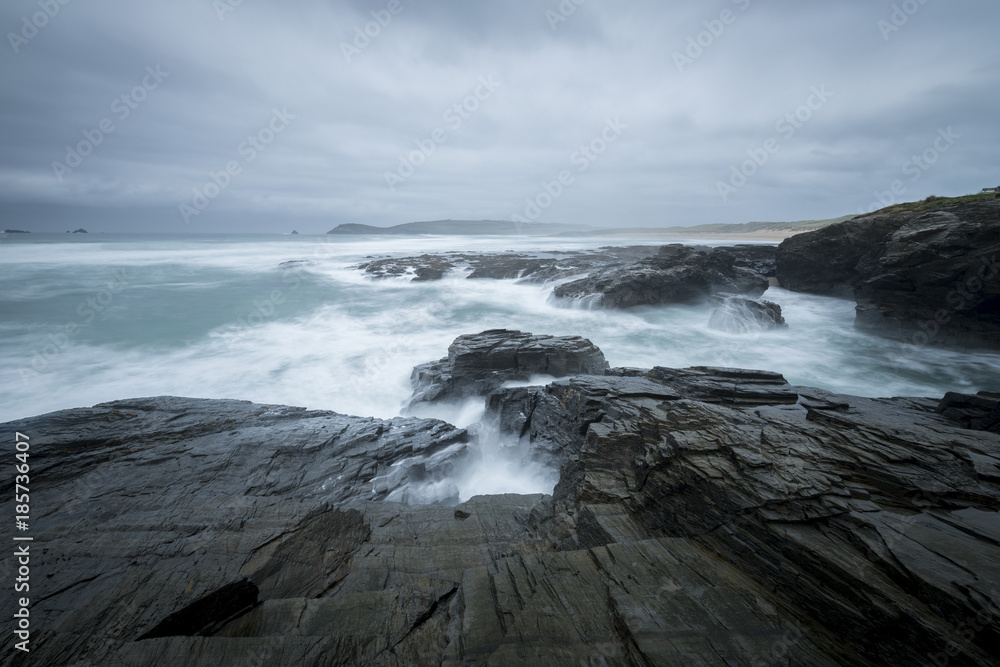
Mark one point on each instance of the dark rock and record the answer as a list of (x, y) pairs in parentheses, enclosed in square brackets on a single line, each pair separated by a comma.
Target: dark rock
[(422, 268), (152, 508), (980, 412), (210, 614), (925, 278), (618, 277), (426, 273), (759, 258), (677, 274), (702, 516), (296, 263), (741, 314), (478, 364), (80, 231), (734, 387), (538, 267), (877, 520)]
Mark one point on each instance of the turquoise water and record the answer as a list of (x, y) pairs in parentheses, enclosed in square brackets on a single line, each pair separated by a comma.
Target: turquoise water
[(93, 318)]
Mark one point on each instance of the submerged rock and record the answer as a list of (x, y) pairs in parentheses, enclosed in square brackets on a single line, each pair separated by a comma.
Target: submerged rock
[(741, 314), (703, 516)]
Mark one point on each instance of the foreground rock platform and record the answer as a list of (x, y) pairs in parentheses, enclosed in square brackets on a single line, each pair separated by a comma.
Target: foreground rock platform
[(703, 516)]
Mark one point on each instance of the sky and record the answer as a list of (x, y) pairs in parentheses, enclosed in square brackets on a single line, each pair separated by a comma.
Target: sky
[(213, 116)]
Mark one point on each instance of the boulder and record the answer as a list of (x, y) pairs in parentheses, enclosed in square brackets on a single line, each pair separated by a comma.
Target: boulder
[(478, 364)]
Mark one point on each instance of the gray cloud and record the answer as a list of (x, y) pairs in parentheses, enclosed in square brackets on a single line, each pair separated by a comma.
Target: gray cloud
[(560, 82)]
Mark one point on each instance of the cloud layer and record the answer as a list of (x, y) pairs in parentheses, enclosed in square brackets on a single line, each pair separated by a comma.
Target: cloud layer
[(161, 116)]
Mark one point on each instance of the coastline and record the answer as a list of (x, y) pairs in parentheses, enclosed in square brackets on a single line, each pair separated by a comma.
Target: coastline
[(775, 235)]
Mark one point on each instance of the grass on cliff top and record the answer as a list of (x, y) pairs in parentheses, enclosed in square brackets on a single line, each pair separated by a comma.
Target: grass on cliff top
[(932, 203)]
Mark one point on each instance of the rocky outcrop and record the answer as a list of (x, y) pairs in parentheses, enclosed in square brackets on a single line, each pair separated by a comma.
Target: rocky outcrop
[(741, 314), (147, 515), (677, 274), (614, 277), (539, 267), (478, 364), (980, 412), (703, 516), (876, 520), (922, 277)]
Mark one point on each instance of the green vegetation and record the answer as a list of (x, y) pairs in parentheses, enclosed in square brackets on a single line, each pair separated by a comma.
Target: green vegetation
[(932, 203)]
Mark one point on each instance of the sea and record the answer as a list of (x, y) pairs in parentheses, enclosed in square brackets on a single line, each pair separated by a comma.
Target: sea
[(88, 318)]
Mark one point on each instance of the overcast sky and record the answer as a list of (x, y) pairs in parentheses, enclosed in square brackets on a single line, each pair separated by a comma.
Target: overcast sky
[(340, 119)]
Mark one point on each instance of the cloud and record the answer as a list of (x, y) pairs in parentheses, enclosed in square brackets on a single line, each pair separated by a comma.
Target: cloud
[(360, 110)]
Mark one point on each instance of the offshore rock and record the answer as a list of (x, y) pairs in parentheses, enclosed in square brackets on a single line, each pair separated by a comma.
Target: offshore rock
[(478, 364), (537, 267), (677, 274), (741, 314)]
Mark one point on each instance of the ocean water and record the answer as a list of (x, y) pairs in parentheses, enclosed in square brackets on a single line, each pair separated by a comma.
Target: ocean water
[(86, 319)]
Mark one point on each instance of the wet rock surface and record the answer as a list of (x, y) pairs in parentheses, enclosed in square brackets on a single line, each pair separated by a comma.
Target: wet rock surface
[(980, 412), (926, 278), (676, 274), (613, 277), (741, 314), (539, 267), (479, 364), (703, 516)]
